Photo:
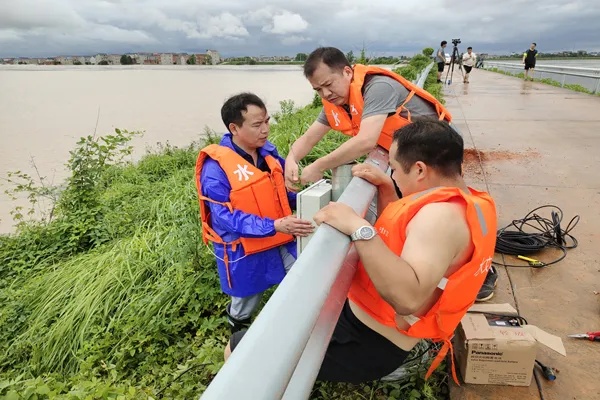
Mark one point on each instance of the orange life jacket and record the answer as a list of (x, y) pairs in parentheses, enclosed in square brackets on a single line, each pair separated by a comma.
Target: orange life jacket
[(252, 191), (459, 290), (348, 123)]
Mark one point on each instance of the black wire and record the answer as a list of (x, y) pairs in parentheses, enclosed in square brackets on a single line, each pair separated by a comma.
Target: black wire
[(516, 317), (419, 355), (538, 383), (547, 233)]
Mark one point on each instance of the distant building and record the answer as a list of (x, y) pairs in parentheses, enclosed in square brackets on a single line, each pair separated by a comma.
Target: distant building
[(210, 57), (63, 60), (101, 57), (114, 59), (166, 59), (152, 59), (140, 58), (214, 55), (201, 59)]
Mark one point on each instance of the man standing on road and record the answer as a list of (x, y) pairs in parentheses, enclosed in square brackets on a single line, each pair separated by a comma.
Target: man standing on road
[(440, 59), (365, 102), (245, 209), (529, 58), (468, 61)]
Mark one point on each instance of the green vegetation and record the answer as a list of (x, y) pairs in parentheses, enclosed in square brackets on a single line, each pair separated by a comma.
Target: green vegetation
[(560, 55), (416, 64), (126, 60), (112, 295), (191, 60), (547, 81)]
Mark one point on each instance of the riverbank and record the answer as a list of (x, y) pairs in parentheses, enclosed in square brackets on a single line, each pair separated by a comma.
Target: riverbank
[(115, 295)]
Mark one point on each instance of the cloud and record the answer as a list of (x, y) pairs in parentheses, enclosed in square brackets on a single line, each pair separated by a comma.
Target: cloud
[(280, 27), (9, 35), (35, 14), (286, 22), (225, 25), (294, 40)]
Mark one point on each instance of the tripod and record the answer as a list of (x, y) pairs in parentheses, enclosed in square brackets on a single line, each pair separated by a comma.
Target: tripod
[(451, 67)]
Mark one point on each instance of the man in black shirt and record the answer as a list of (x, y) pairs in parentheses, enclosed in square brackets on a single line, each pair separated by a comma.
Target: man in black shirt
[(529, 58)]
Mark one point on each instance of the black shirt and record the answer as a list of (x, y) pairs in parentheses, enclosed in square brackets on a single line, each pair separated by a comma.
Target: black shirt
[(530, 56), (261, 163)]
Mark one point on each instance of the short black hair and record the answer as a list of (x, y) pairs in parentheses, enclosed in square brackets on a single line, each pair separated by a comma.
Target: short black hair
[(469, 48), (535, 44), (233, 107), (333, 57), (432, 142), (443, 43)]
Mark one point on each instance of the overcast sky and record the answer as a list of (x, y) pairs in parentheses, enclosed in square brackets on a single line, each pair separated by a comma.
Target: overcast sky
[(285, 27)]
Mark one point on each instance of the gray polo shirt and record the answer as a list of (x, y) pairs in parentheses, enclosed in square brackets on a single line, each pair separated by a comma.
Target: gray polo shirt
[(437, 57), (383, 95)]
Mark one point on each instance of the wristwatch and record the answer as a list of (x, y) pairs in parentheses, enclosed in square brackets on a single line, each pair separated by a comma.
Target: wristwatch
[(363, 233)]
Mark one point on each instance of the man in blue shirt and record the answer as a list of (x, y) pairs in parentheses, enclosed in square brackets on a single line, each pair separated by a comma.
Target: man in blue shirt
[(245, 276)]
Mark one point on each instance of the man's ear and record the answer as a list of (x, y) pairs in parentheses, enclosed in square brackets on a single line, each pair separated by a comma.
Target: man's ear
[(234, 129), (422, 170), (348, 72)]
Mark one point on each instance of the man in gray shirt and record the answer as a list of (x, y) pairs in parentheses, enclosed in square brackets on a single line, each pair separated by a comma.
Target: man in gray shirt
[(331, 76), (383, 95), (440, 59)]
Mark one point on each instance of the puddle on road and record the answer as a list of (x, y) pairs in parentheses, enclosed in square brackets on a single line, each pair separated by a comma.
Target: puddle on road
[(472, 158)]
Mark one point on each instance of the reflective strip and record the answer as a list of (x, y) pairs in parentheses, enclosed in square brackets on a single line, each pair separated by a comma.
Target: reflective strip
[(482, 223), (411, 319), (443, 283), (424, 192)]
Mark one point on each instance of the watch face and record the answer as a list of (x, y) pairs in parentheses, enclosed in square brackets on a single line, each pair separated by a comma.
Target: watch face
[(366, 232)]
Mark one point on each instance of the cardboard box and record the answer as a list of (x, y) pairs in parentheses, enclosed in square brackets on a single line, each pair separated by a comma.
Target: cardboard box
[(495, 352)]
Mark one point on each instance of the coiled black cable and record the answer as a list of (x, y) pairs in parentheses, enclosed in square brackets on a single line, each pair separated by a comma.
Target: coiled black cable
[(547, 233)]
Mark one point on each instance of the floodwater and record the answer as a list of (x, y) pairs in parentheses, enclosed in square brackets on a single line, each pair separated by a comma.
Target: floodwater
[(44, 110)]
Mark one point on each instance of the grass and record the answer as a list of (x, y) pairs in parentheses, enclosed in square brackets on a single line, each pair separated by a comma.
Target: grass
[(547, 81), (115, 296)]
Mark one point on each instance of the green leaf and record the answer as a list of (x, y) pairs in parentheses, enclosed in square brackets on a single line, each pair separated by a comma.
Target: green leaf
[(44, 389), (12, 395)]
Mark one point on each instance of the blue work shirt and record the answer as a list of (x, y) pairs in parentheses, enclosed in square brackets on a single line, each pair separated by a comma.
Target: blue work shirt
[(250, 274)]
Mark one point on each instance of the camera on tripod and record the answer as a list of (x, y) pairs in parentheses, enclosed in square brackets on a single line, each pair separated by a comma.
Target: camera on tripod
[(454, 59)]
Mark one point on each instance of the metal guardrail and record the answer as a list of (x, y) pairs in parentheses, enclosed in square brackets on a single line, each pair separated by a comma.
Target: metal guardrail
[(281, 353), (422, 76), (562, 72)]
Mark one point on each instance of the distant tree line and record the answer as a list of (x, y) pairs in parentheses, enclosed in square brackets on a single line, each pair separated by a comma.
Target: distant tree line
[(127, 60), (560, 54)]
